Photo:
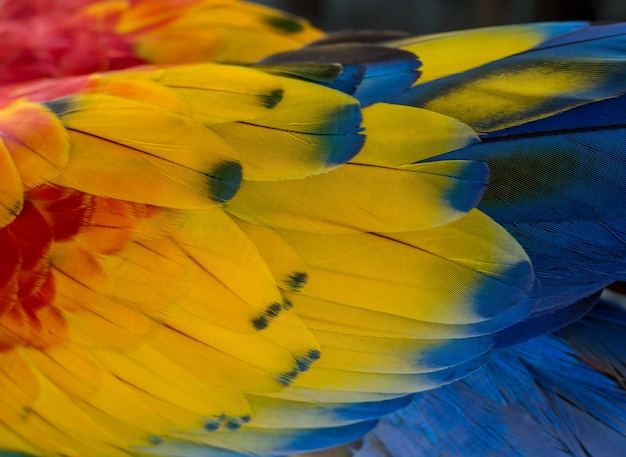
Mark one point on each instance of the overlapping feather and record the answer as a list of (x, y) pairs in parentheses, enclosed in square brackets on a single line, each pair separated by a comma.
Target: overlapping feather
[(234, 247), (159, 208), (556, 395), (71, 37)]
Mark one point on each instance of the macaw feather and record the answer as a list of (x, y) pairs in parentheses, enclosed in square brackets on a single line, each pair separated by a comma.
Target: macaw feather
[(74, 37), (566, 224), (204, 259), (416, 133), (378, 271), (450, 53), (551, 388), (383, 71), (270, 412), (356, 197), (282, 260), (34, 148), (11, 189), (506, 87), (195, 31)]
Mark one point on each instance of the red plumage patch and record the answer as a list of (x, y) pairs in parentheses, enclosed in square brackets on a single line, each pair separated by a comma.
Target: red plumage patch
[(26, 285), (28, 311), (42, 39)]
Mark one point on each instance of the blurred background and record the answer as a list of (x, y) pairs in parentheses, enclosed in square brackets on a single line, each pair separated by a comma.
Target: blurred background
[(426, 16)]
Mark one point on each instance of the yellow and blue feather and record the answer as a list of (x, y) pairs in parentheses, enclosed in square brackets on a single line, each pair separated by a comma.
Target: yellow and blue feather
[(265, 260)]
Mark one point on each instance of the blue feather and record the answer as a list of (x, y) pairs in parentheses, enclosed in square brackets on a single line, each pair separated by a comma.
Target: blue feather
[(585, 34), (595, 68), (542, 322), (384, 72), (556, 193), (261, 442), (556, 395)]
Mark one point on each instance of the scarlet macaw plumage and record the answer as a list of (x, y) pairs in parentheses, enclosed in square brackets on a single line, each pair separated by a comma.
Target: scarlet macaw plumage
[(266, 259)]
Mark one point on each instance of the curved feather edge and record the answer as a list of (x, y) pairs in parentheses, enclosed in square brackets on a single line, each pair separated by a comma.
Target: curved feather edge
[(299, 439), (554, 190), (384, 72), (555, 173), (571, 75), (262, 442), (556, 395)]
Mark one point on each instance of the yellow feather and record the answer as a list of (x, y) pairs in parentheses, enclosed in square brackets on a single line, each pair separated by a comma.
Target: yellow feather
[(60, 425), (310, 130), (11, 188), (352, 381), (143, 87), (139, 152), (325, 315), (215, 243), (399, 135), (330, 394), (208, 299), (430, 275), (160, 377), (510, 98), (150, 276), (349, 352), (19, 386), (250, 348), (71, 368), (282, 260), (96, 318), (450, 53), (357, 198), (36, 140), (208, 30), (211, 366), (12, 442), (218, 94)]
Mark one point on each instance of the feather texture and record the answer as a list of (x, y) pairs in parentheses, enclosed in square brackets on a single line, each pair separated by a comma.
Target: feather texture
[(159, 211), (555, 395), (222, 260)]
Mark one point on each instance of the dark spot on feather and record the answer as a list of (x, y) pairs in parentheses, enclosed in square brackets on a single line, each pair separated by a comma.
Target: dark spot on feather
[(287, 304), (214, 424), (296, 281), (314, 354), (233, 424), (271, 312), (274, 310), (224, 181), (156, 440), (286, 379), (284, 24), (60, 106), (272, 99), (260, 323), (17, 208), (304, 363), (211, 426)]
